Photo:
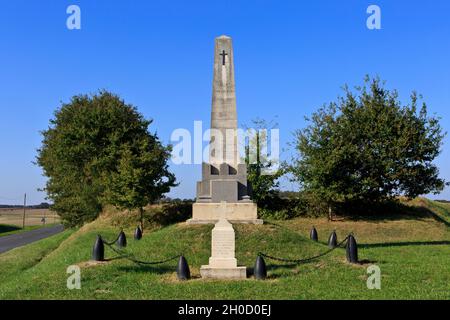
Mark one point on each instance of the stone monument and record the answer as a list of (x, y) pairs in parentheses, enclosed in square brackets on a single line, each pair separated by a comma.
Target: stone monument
[(222, 263), (224, 177)]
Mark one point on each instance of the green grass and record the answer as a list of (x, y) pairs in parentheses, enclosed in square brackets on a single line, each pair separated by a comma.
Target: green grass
[(6, 229), (442, 210), (16, 261), (413, 254)]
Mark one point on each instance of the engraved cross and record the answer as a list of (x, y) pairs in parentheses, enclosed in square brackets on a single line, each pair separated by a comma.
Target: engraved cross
[(223, 54)]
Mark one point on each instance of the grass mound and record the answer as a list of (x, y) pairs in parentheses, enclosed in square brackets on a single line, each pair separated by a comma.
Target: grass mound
[(413, 255)]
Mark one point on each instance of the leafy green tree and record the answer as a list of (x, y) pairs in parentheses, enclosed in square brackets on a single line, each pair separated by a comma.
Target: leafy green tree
[(262, 173), (142, 176), (368, 147), (96, 147)]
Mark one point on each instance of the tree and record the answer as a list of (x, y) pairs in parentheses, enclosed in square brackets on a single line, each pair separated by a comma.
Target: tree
[(368, 147), (141, 177), (262, 173), (95, 147)]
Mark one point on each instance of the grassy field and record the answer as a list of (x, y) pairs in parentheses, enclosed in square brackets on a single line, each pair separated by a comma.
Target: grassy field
[(413, 253), (33, 217)]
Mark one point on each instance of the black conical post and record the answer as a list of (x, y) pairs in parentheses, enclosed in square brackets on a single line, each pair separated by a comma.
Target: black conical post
[(332, 240), (183, 272), (313, 234), (352, 250), (138, 233), (260, 270), (98, 251), (122, 240)]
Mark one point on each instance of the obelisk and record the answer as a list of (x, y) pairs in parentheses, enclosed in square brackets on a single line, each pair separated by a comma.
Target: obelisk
[(224, 175), (223, 111)]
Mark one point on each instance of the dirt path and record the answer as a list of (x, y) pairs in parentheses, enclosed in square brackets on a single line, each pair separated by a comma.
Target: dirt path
[(23, 238)]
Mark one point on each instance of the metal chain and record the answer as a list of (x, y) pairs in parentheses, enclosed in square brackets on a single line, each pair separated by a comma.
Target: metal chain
[(129, 257), (112, 242), (298, 261), (153, 262)]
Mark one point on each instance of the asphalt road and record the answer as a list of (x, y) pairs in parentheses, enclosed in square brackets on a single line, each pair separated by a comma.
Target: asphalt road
[(20, 239)]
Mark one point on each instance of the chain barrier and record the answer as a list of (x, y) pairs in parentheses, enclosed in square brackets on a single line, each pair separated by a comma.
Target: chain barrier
[(299, 261), (112, 242), (124, 255), (127, 256)]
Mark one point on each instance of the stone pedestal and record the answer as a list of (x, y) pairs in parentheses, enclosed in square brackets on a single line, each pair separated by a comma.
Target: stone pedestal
[(222, 263), (238, 212)]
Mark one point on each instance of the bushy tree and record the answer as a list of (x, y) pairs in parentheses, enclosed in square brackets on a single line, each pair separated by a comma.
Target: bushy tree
[(97, 151), (141, 177), (369, 147), (262, 172)]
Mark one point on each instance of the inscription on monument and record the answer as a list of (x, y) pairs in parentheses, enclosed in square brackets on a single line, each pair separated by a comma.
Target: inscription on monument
[(223, 244)]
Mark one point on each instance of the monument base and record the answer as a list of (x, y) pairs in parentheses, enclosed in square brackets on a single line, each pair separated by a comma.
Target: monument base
[(239, 212), (236, 273)]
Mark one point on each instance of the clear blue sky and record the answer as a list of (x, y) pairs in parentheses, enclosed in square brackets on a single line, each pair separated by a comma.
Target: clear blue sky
[(290, 58)]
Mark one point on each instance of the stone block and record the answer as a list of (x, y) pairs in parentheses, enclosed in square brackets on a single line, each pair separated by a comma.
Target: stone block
[(240, 212), (237, 273), (224, 190)]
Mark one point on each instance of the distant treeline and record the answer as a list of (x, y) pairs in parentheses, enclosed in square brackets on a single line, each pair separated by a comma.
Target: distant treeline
[(443, 201), (43, 205)]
